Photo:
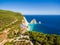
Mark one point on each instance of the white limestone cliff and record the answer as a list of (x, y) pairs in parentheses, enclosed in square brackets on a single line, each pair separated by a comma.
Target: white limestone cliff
[(26, 22)]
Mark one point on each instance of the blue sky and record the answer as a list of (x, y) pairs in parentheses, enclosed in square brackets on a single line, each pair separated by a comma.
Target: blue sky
[(32, 6)]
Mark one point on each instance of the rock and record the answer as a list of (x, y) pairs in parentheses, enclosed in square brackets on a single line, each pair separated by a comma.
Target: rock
[(33, 21), (39, 22)]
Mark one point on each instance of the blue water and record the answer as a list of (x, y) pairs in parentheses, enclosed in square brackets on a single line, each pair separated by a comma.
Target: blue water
[(50, 24)]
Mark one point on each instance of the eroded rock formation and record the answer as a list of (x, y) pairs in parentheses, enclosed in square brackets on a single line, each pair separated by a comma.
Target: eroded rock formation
[(33, 21)]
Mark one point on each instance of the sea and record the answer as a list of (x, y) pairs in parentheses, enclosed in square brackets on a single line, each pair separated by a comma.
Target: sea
[(50, 24)]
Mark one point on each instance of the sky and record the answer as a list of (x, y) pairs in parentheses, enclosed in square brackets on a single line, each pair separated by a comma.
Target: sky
[(28, 7)]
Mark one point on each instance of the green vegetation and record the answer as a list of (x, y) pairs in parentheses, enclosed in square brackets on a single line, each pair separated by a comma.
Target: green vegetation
[(17, 43), (43, 39), (7, 18), (12, 20), (8, 43), (22, 43)]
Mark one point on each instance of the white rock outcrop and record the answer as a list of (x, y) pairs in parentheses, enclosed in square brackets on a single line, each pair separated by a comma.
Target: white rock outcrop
[(39, 22), (24, 26), (26, 22), (33, 21)]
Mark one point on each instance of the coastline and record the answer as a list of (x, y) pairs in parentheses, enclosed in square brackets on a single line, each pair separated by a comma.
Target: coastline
[(49, 24)]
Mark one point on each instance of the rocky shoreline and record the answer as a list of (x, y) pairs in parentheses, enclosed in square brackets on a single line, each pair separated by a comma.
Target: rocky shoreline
[(25, 24)]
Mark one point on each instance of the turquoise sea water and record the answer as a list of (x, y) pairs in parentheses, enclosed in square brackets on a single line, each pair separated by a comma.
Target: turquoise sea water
[(32, 27), (49, 24)]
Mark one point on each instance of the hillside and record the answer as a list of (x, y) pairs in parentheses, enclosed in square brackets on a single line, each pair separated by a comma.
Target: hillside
[(9, 24), (8, 18)]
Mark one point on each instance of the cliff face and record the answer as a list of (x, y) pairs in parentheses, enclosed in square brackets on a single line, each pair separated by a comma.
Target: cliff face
[(26, 22), (24, 25)]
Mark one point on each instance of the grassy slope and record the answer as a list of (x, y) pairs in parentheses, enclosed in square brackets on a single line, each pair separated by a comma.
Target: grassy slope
[(12, 20), (7, 17)]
